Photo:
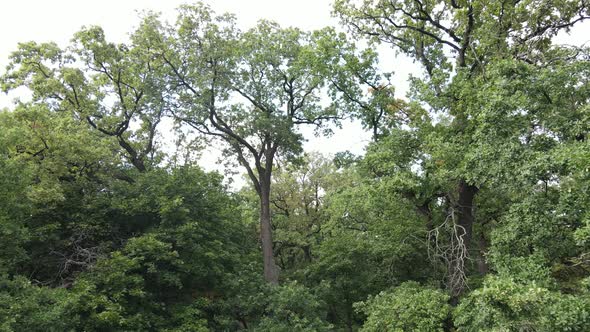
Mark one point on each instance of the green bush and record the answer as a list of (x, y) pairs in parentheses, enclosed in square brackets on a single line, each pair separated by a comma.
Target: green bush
[(409, 307), (25, 307), (291, 307), (503, 304)]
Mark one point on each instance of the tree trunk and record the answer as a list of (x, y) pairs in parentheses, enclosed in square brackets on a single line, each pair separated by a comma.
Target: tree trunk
[(271, 271), (307, 252), (466, 219)]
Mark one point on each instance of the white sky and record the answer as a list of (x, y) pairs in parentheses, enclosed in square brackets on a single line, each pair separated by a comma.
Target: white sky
[(58, 20)]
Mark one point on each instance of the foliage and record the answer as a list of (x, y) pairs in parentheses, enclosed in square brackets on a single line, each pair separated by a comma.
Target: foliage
[(26, 307), (503, 304), (291, 307), (469, 210), (299, 209), (408, 307)]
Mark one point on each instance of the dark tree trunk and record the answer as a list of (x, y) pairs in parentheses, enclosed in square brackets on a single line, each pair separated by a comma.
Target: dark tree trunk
[(139, 165), (307, 252), (271, 271), (466, 218)]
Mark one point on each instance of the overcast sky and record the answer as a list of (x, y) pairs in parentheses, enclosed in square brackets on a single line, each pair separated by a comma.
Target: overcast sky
[(58, 20)]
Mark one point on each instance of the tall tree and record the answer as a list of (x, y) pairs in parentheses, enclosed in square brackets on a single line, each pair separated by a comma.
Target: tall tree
[(116, 88), (457, 42), (248, 89)]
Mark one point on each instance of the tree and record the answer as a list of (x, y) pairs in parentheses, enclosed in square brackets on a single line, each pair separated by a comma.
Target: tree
[(457, 42), (116, 88), (507, 305), (298, 209), (373, 240), (366, 93), (249, 89), (61, 166)]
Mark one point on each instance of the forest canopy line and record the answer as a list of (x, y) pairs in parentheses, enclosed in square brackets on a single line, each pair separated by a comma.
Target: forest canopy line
[(469, 211)]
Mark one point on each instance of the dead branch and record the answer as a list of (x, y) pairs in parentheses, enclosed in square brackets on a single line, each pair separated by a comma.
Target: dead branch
[(447, 244)]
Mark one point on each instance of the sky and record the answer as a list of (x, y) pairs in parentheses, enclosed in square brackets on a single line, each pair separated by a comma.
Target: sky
[(58, 20)]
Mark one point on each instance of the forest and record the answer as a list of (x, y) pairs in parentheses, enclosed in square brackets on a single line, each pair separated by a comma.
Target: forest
[(468, 211)]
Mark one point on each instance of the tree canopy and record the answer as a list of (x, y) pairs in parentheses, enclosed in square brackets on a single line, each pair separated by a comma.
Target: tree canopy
[(468, 211)]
